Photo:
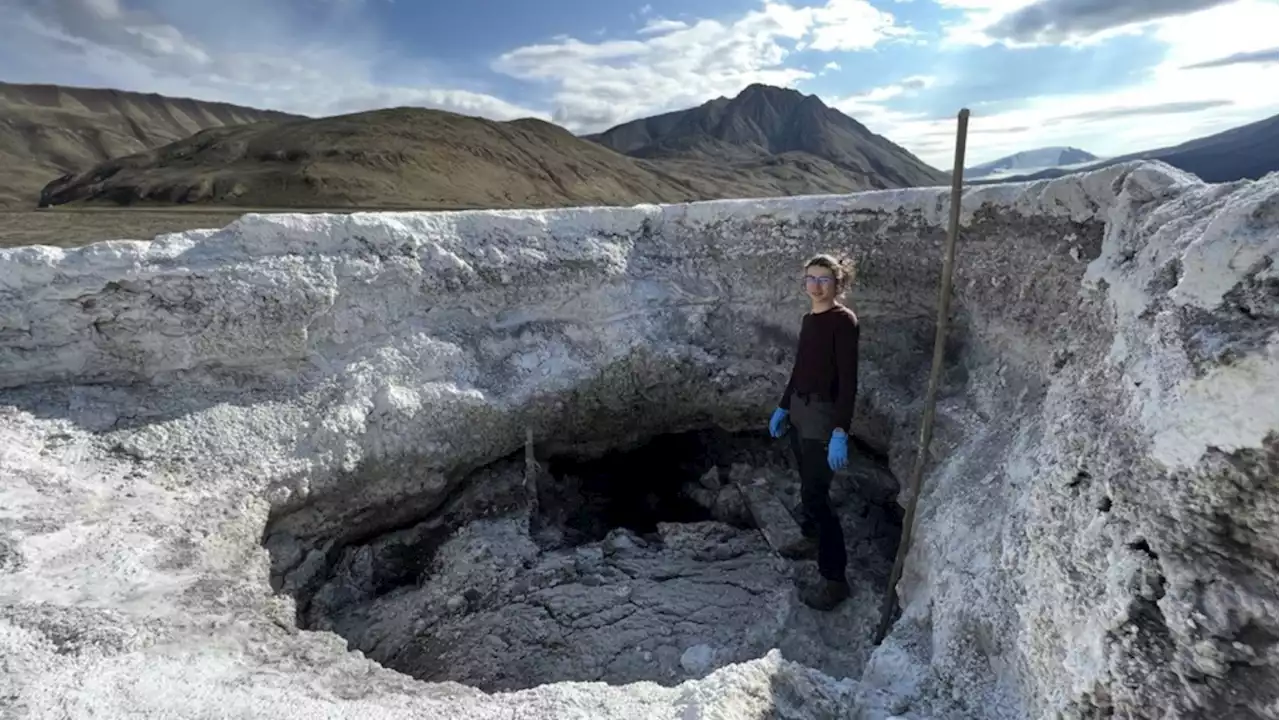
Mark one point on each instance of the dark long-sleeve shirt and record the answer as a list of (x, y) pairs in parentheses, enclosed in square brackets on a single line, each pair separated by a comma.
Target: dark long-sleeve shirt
[(827, 362)]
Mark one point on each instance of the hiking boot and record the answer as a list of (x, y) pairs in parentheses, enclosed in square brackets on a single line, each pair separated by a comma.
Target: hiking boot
[(825, 594)]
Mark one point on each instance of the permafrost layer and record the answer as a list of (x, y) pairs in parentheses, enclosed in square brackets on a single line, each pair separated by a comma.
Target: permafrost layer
[(1097, 533)]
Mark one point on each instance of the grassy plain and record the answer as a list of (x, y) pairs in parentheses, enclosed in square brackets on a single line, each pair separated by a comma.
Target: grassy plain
[(73, 227)]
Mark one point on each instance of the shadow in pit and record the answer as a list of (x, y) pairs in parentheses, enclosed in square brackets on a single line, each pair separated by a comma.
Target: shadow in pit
[(635, 565)]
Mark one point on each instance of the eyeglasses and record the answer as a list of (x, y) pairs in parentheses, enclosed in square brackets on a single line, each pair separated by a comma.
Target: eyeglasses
[(823, 280)]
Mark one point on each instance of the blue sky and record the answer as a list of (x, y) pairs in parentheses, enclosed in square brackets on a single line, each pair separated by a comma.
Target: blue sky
[(1106, 77)]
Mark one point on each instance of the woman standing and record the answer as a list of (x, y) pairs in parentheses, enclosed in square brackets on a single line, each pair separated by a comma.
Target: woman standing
[(818, 405)]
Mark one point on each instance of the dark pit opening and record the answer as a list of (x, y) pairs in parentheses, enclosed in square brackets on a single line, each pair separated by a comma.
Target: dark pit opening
[(645, 563), (638, 488)]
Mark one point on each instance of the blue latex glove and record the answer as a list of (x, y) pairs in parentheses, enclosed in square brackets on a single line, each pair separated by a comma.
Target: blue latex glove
[(777, 423), (838, 451)]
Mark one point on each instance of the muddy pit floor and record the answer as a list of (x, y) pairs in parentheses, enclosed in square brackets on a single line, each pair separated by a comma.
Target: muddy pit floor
[(661, 563)]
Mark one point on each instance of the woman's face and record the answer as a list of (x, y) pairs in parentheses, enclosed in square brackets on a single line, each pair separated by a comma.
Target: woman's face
[(819, 283)]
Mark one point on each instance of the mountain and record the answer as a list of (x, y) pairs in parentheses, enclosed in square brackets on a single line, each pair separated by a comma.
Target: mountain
[(400, 157), (775, 136), (1246, 152), (49, 130), (1030, 161), (764, 142)]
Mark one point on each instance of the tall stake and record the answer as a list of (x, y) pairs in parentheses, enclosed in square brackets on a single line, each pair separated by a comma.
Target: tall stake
[(889, 607)]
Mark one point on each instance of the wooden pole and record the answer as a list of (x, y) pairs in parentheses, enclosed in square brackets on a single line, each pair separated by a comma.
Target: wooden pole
[(530, 482), (530, 460), (889, 607)]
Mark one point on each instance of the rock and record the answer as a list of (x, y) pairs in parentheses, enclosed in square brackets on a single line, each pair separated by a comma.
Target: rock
[(10, 554), (1096, 531), (729, 507), (621, 540), (711, 479), (775, 522), (697, 659), (307, 577), (698, 493), (740, 473)]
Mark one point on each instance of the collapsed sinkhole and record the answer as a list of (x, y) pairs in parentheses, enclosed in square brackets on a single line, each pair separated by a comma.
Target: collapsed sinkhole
[(639, 488), (656, 562)]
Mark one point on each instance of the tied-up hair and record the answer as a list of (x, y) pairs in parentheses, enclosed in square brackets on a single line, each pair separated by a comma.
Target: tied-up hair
[(842, 269)]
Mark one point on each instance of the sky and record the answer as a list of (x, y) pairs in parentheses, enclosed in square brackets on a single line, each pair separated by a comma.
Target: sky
[(1106, 76)]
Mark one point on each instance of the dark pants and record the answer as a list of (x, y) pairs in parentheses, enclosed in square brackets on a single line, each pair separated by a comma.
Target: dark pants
[(820, 518)]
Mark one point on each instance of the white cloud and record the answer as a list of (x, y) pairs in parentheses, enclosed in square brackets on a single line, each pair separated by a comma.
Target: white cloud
[(1057, 21), (849, 25), (1168, 105), (995, 136), (597, 85), (832, 66), (212, 57), (1216, 33), (979, 15), (658, 26), (1022, 23), (1172, 108), (868, 104)]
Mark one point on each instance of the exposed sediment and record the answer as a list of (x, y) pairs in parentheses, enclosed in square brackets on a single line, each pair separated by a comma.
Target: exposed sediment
[(631, 568), (1097, 531)]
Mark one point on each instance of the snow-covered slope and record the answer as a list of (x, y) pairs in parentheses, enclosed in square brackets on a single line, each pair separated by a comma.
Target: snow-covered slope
[(1030, 161), (1096, 535)]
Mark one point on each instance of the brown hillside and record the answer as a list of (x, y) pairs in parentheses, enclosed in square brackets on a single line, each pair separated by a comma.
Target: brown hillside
[(402, 157), (766, 142), (793, 138), (49, 130)]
